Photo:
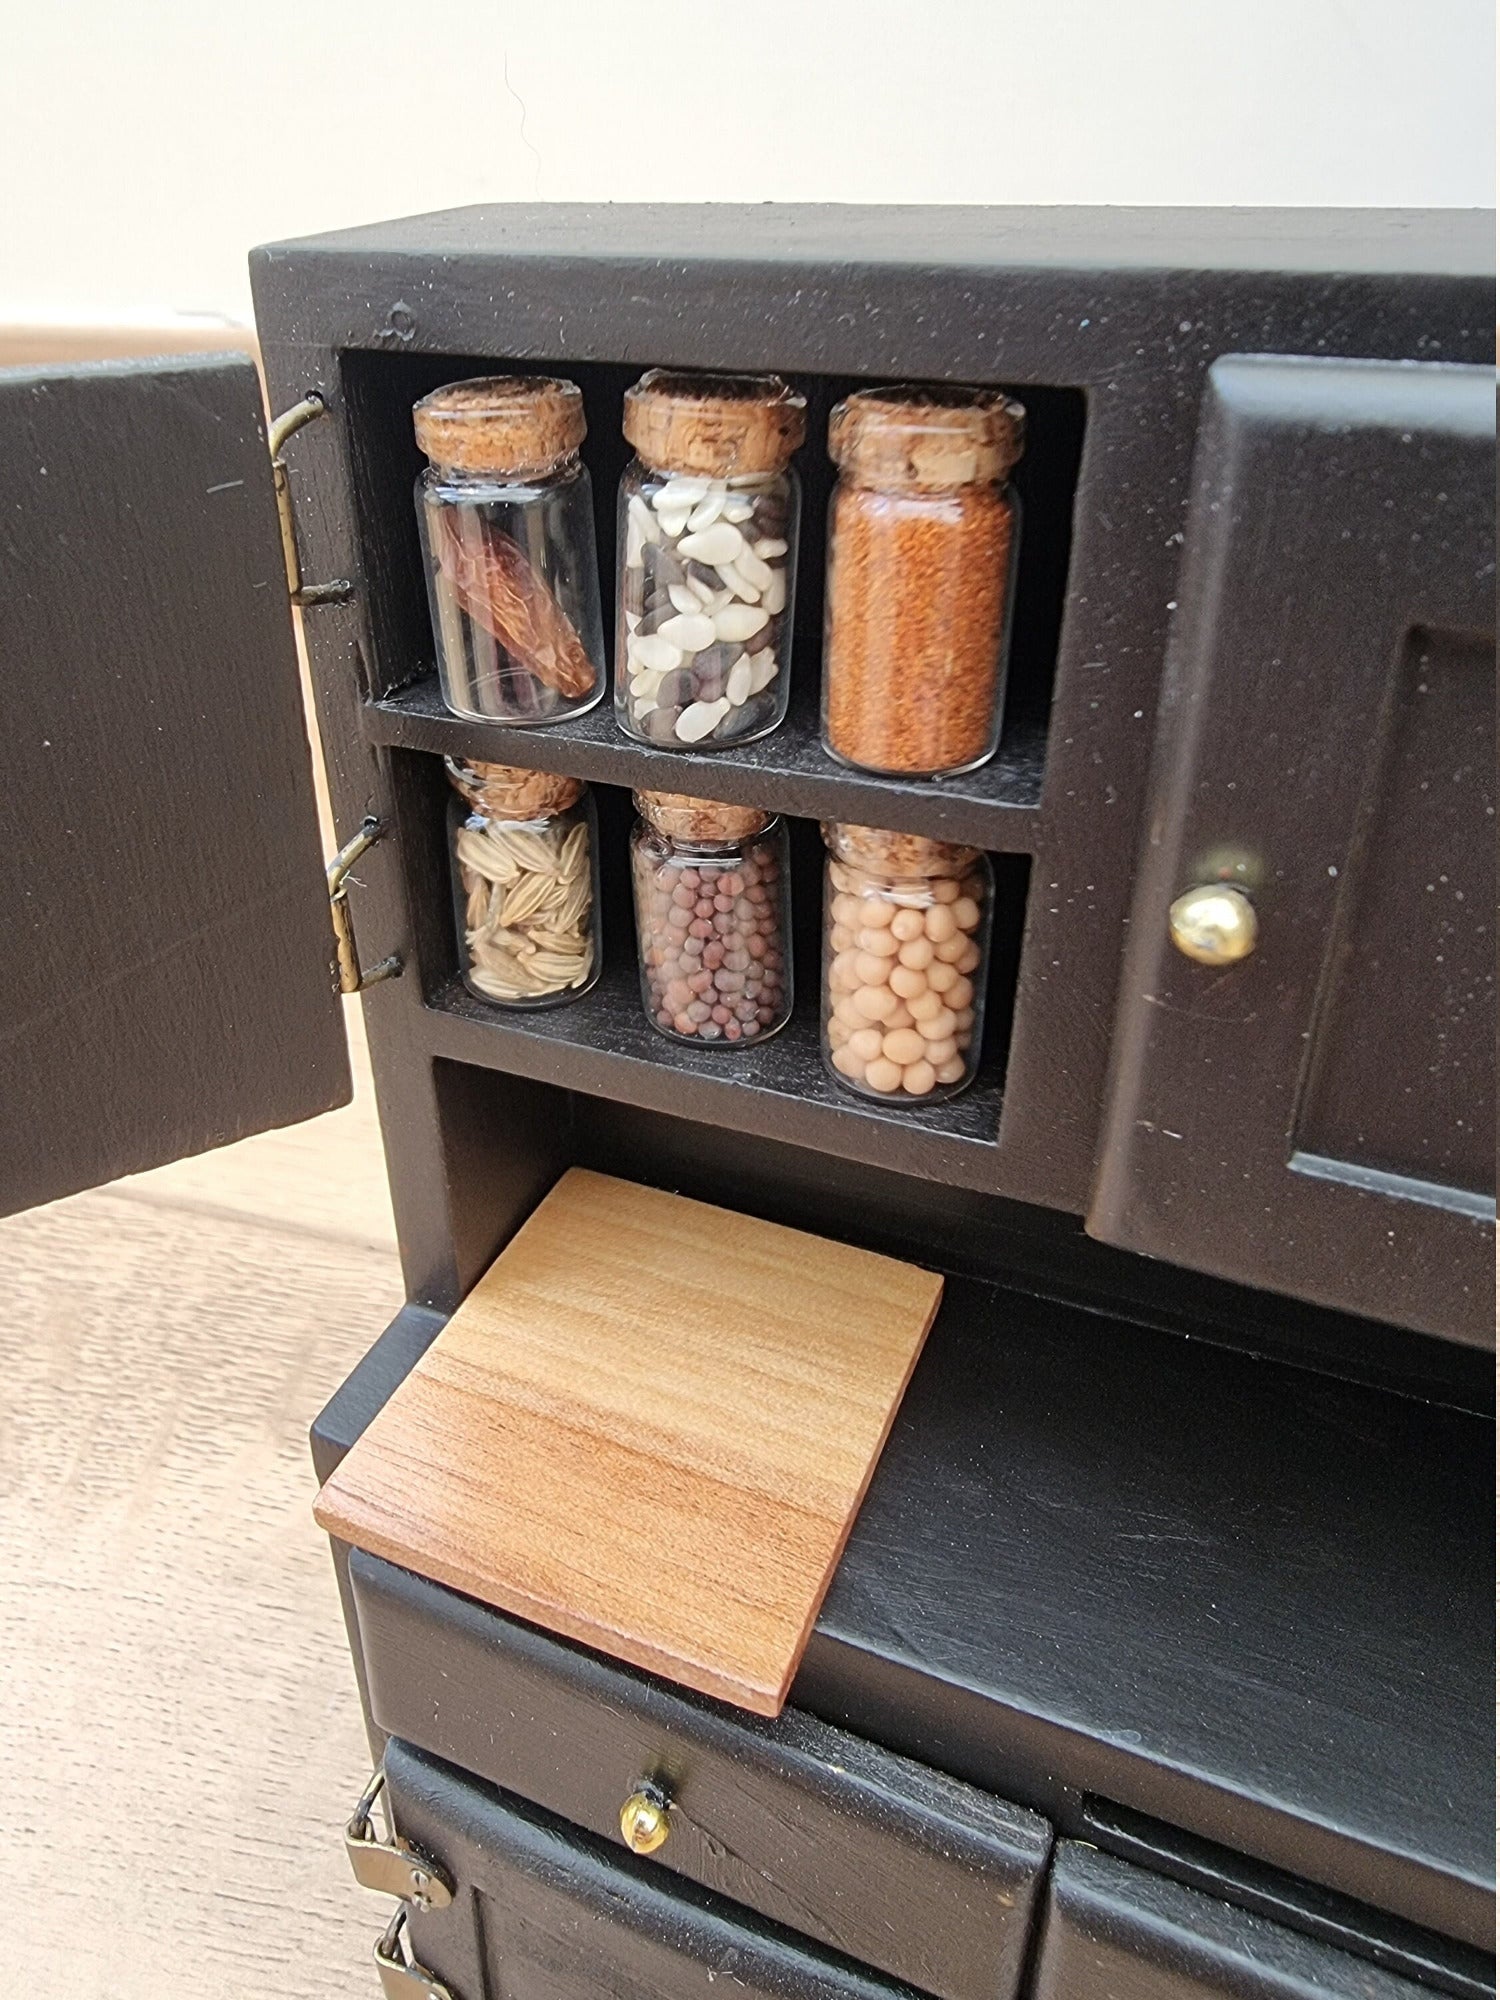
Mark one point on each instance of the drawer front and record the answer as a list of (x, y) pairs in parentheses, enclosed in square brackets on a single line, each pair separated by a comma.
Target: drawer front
[(1114, 1932), (871, 1855), (541, 1912)]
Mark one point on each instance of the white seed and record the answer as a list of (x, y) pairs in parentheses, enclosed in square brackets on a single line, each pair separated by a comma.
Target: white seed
[(671, 525), (685, 598), (768, 546), (642, 706), (704, 595), (699, 717), (774, 596), (632, 619), (691, 634), (653, 651), (753, 570), (719, 544), (737, 687), (640, 528), (738, 510), (646, 682), (739, 621), (763, 669), (680, 495), (738, 586), (707, 511)]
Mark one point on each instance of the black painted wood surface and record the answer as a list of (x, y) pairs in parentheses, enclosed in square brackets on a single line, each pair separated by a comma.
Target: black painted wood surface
[(1124, 309), (877, 1857), (168, 981), (1321, 1117), (1114, 1932), (543, 1912)]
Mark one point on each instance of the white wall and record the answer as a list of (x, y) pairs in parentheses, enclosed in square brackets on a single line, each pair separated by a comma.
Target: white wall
[(145, 147)]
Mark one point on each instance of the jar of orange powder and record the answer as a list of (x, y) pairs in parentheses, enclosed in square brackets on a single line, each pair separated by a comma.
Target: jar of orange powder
[(921, 545)]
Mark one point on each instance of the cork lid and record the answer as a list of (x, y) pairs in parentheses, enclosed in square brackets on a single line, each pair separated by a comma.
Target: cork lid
[(715, 425), (501, 423), (927, 436), (682, 817), (510, 791), (896, 854)]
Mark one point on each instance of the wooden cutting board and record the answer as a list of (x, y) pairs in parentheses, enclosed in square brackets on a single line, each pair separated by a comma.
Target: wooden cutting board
[(649, 1427)]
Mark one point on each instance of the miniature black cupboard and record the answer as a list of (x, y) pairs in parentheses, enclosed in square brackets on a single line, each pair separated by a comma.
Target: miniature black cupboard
[(1160, 1659)]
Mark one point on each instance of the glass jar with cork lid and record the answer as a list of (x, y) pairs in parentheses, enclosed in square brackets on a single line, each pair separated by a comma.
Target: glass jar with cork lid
[(707, 542), (906, 944), (506, 515), (713, 919), (525, 850), (922, 533)]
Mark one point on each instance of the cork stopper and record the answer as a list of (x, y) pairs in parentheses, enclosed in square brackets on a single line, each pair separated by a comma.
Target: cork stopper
[(682, 817), (927, 437), (899, 855), (510, 791), (508, 424), (717, 426)]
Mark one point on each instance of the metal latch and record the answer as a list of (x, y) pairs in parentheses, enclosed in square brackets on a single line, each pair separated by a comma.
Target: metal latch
[(392, 1866), (401, 1978), (284, 427), (352, 979)]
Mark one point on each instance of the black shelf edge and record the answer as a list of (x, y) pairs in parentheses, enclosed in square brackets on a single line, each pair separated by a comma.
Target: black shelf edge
[(787, 772), (602, 1045)]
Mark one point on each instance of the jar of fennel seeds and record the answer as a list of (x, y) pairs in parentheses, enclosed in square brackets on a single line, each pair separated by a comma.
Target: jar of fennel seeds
[(906, 942), (712, 918), (525, 849), (506, 517), (922, 534), (707, 541)]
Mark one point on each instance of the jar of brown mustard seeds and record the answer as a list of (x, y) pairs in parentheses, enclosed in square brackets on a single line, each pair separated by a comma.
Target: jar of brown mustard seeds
[(921, 544)]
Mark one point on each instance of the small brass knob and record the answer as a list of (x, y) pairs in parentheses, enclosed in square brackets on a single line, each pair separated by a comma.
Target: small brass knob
[(1214, 924), (644, 1825)]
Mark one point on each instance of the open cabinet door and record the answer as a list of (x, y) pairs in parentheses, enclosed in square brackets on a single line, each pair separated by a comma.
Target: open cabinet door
[(167, 981)]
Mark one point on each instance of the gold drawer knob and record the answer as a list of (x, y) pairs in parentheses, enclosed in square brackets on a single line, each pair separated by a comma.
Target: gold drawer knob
[(644, 1825), (1214, 924)]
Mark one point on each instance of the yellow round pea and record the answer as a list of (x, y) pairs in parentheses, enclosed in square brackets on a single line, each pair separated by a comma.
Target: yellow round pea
[(945, 890), (968, 959), (951, 1071), (966, 913), (903, 1045), (952, 949), (939, 923), (883, 1075), (939, 1052), (841, 973), (907, 924), (845, 910), (918, 1078), (875, 1003), (908, 982), (839, 1032), (841, 938), (879, 941), (939, 1028), (870, 970), (865, 1042), (875, 913), (845, 1008), (941, 978), (847, 1063), (960, 994), (963, 1015), (926, 1005), (916, 953), (902, 1018)]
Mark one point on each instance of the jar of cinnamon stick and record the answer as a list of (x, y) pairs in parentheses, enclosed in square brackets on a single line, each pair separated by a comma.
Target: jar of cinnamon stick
[(921, 555), (507, 523), (707, 558)]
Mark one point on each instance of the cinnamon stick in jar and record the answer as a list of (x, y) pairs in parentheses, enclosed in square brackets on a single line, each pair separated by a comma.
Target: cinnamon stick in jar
[(922, 532)]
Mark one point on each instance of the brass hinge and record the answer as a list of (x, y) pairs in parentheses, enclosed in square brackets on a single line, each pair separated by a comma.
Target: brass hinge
[(283, 427), (401, 1977), (393, 1867), (352, 978)]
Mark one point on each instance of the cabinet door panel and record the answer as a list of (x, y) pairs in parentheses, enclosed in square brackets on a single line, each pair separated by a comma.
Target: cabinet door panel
[(1318, 1118), (163, 916), (1115, 1932)]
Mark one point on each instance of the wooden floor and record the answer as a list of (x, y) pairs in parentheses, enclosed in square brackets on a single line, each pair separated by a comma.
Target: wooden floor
[(180, 1738)]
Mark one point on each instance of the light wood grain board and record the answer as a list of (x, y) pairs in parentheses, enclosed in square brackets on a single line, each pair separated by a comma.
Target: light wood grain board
[(649, 1428)]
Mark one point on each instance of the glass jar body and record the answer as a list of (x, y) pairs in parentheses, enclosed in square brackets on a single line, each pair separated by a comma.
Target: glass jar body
[(513, 587), (526, 900), (920, 588), (705, 589), (713, 923), (905, 961)]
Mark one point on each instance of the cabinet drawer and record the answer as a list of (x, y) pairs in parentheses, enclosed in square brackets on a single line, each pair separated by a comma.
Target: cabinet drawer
[(874, 1856), (1114, 1932)]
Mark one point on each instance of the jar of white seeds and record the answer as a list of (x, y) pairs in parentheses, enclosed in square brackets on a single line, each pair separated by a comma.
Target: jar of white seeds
[(707, 546)]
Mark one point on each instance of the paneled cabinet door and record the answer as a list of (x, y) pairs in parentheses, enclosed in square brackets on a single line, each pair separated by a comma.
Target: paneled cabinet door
[(167, 954), (1114, 1932), (1316, 1116)]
